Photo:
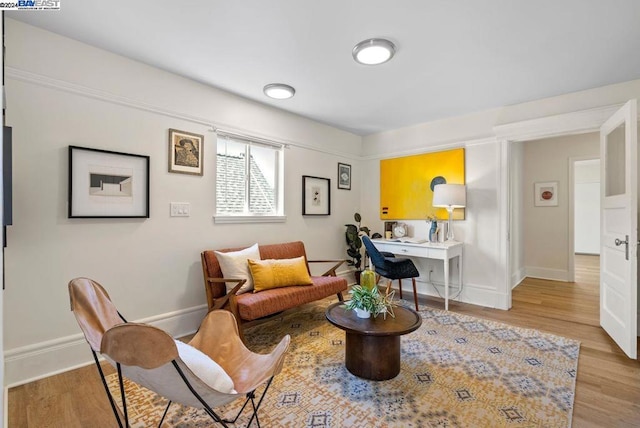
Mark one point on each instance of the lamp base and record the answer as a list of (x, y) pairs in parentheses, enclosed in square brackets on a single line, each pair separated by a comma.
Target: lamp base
[(449, 228)]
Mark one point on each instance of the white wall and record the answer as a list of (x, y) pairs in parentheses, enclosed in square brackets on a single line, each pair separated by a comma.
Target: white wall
[(546, 229), (487, 276), (62, 92), (477, 231), (587, 206)]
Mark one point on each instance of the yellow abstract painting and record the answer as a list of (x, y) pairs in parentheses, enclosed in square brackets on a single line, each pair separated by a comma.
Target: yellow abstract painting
[(406, 184)]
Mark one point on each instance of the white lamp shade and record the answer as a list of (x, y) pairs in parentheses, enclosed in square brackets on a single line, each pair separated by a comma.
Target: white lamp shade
[(449, 196)]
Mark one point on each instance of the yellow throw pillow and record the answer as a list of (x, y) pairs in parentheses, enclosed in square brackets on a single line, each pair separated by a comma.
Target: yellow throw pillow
[(275, 273)]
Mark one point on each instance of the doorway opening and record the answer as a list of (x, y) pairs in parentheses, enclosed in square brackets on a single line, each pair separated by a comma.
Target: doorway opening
[(617, 128), (585, 176), (555, 247)]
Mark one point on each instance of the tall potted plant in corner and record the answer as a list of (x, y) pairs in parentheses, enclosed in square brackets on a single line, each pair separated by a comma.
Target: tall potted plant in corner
[(354, 243)]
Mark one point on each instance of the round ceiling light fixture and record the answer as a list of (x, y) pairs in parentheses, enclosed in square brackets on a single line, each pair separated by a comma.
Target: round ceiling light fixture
[(279, 91), (373, 51)]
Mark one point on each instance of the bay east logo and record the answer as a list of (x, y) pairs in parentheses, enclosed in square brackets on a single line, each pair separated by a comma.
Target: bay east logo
[(31, 5)]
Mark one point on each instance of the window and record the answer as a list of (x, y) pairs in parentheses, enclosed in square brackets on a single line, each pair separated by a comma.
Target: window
[(249, 185)]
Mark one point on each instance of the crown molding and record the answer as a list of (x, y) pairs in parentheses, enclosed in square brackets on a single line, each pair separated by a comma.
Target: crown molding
[(98, 94), (579, 122), (440, 146)]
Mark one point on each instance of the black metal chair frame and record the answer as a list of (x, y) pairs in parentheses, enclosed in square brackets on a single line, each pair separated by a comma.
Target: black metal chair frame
[(251, 396)]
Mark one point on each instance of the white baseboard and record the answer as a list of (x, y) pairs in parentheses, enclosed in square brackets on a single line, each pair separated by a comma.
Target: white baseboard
[(40, 360), (475, 294), (544, 273)]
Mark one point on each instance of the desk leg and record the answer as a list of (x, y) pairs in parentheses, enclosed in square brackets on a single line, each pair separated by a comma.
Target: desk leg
[(446, 283), (460, 272)]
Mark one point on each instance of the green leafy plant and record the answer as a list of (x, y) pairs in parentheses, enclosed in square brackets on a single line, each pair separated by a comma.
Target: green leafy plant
[(354, 242), (371, 300)]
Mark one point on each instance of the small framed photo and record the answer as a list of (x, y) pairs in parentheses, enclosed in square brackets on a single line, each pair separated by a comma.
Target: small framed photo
[(105, 184), (316, 195), (545, 194), (186, 152), (344, 176)]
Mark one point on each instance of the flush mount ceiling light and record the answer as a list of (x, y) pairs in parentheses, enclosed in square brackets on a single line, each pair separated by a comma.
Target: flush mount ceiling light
[(373, 51), (279, 91)]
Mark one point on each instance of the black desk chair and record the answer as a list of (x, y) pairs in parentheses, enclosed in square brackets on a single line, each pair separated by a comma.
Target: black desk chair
[(392, 267)]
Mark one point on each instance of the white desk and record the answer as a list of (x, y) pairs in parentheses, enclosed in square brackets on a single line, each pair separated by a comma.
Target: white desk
[(444, 251)]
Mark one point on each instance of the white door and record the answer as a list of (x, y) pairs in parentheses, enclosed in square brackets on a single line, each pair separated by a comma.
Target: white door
[(619, 227)]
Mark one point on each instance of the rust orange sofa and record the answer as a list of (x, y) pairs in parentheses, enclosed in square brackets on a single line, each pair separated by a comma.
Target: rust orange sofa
[(252, 306)]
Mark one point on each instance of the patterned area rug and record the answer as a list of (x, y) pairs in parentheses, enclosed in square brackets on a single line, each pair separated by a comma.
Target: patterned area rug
[(457, 371)]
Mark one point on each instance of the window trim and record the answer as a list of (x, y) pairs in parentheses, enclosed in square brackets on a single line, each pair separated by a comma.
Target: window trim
[(245, 217), (235, 219)]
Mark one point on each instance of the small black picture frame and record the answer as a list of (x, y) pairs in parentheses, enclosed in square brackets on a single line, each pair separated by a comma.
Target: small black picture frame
[(107, 184), (316, 195), (344, 176)]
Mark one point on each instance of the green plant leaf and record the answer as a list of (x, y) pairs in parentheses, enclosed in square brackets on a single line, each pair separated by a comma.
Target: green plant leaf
[(370, 300), (353, 253)]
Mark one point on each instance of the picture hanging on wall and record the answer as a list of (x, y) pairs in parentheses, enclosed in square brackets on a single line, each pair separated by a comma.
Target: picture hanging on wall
[(545, 194), (407, 184), (186, 152), (344, 176), (106, 184), (316, 195)]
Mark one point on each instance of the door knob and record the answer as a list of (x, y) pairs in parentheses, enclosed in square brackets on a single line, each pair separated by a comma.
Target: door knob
[(626, 246)]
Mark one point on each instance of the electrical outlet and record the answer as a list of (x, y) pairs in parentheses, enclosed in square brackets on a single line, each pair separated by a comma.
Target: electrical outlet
[(180, 209)]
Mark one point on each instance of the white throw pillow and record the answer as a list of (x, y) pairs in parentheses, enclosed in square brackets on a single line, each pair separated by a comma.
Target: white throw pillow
[(234, 265), (205, 368)]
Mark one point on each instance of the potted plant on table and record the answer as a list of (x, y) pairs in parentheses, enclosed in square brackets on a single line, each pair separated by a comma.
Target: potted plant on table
[(367, 301), (354, 243)]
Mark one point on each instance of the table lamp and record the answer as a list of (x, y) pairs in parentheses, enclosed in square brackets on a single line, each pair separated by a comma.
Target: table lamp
[(449, 196)]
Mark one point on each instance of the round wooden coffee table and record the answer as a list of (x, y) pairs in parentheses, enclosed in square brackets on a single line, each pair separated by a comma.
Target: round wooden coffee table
[(372, 349)]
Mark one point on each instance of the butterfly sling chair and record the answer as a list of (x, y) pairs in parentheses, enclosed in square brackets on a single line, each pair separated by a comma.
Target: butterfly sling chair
[(214, 369)]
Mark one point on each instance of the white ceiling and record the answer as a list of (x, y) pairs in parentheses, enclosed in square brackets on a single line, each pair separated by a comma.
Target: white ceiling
[(453, 58)]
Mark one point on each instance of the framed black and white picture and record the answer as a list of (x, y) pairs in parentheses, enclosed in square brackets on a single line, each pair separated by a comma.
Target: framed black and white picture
[(106, 184), (316, 195), (344, 176), (186, 152)]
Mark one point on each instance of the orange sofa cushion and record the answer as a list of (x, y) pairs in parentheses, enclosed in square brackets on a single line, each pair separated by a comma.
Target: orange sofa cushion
[(252, 306)]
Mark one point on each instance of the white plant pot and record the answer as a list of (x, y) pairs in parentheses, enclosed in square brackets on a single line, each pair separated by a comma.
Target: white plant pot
[(362, 313)]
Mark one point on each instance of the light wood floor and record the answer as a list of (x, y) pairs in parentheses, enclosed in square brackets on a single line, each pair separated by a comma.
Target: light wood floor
[(607, 389)]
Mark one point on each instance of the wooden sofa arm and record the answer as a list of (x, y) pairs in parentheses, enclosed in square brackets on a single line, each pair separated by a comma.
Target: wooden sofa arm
[(228, 301), (332, 271), (220, 302)]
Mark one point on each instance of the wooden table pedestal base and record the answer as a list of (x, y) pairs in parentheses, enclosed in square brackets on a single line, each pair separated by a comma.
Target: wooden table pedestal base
[(372, 357)]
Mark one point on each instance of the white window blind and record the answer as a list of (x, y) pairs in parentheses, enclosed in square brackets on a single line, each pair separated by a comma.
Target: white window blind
[(249, 178)]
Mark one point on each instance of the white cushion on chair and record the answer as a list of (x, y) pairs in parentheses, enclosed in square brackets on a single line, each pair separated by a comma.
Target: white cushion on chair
[(205, 368)]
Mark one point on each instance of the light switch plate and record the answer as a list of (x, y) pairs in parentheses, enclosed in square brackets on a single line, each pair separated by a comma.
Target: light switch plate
[(180, 209)]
